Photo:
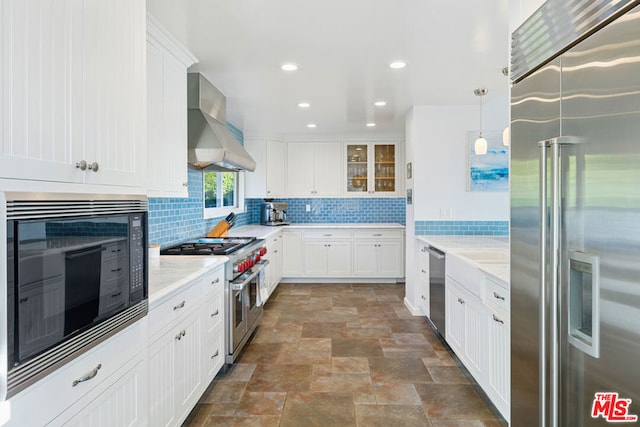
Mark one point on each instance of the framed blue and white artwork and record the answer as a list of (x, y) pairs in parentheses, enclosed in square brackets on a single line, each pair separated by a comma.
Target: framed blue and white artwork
[(488, 172)]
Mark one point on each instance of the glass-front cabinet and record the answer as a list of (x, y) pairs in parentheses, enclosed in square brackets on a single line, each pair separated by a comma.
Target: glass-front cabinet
[(371, 168)]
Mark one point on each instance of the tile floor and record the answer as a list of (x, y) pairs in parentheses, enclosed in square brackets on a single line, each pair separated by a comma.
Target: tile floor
[(343, 355)]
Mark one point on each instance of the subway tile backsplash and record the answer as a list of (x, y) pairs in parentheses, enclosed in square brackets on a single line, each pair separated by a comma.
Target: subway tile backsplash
[(469, 228), (346, 210)]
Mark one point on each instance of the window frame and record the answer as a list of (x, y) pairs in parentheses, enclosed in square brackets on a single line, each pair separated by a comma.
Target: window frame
[(225, 210)]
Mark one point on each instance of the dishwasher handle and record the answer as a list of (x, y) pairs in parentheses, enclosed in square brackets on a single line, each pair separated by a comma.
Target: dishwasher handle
[(434, 252)]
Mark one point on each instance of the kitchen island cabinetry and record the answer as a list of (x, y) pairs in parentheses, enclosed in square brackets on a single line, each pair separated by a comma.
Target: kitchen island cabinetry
[(499, 338), (112, 375), (313, 169), (423, 279), (74, 79), (167, 63), (268, 178)]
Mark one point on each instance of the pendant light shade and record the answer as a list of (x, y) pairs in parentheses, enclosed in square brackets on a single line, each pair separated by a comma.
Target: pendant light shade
[(480, 146), (506, 136)]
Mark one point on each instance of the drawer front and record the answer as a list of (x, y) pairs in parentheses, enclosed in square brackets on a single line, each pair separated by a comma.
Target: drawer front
[(175, 308), (214, 311), (89, 371), (328, 234), (497, 297), (466, 274), (213, 281), (378, 234), (214, 353)]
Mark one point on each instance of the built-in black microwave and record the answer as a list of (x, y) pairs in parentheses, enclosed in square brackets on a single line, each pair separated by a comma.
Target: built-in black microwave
[(76, 275)]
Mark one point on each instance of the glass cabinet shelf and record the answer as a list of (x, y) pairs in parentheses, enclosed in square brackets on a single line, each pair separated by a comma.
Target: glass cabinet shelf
[(371, 168)]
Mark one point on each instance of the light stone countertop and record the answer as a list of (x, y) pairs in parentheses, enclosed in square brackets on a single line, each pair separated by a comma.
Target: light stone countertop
[(264, 231), (458, 244), (391, 225), (169, 273)]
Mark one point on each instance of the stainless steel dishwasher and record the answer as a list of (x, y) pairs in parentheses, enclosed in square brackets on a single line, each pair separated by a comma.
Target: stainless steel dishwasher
[(436, 288)]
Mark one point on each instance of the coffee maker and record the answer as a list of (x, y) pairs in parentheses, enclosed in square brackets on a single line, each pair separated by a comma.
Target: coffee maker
[(274, 213)]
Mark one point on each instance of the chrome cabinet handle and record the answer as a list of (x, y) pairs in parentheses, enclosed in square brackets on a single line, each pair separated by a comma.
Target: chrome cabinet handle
[(497, 319), (215, 354), (179, 306), (498, 296), (327, 235), (181, 334), (215, 314), (185, 184), (424, 271), (378, 234), (460, 300), (422, 296), (217, 280), (93, 166), (82, 165), (88, 376)]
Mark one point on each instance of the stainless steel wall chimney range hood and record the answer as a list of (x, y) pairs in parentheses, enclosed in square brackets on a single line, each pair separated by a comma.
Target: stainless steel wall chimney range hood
[(211, 143)]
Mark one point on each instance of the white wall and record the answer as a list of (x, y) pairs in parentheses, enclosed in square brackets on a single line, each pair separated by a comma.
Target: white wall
[(439, 147)]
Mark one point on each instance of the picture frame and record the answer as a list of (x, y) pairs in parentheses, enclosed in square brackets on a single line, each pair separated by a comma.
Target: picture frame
[(488, 172)]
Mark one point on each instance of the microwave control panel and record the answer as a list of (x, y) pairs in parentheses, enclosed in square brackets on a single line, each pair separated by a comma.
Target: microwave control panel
[(136, 227)]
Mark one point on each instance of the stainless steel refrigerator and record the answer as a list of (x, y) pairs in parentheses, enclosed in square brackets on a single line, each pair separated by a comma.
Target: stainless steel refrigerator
[(575, 215)]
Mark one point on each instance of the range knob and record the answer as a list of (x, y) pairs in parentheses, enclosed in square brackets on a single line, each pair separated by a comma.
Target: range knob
[(257, 258), (241, 267), (263, 251)]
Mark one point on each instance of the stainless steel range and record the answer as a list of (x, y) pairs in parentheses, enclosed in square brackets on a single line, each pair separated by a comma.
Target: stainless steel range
[(244, 274)]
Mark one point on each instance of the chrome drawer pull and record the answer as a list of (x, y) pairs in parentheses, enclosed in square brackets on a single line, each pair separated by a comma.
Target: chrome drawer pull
[(423, 271), (498, 296), (422, 296), (215, 281), (215, 354), (215, 314), (497, 319), (179, 306), (180, 335), (378, 234), (87, 377), (460, 300)]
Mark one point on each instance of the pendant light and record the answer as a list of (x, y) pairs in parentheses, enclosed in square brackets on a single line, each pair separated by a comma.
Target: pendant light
[(480, 146)]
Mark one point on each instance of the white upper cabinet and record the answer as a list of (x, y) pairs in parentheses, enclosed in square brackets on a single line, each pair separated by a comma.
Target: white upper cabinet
[(313, 169), (73, 89), (167, 63), (268, 178)]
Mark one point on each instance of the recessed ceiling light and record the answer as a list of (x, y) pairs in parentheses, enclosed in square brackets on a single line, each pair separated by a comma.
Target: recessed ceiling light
[(304, 105), (380, 103), (289, 67), (311, 125), (398, 64), (370, 124)]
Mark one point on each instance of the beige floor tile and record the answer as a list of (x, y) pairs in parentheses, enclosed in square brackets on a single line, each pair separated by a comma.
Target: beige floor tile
[(391, 416), (396, 394)]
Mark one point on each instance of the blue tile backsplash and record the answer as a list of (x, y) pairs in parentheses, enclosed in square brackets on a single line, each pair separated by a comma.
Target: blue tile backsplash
[(346, 210), (469, 228)]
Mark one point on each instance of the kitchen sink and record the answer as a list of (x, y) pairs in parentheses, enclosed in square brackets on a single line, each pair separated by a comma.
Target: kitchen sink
[(492, 256)]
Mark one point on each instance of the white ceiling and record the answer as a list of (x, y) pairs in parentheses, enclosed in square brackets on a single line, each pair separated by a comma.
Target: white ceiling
[(343, 48)]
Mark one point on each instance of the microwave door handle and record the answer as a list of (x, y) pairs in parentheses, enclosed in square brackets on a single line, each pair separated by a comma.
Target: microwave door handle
[(83, 252)]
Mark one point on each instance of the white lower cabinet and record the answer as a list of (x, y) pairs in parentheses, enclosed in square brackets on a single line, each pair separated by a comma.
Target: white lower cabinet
[(186, 348), (111, 375), (466, 328), (292, 265), (340, 253), (478, 329), (273, 271), (422, 294), (327, 258)]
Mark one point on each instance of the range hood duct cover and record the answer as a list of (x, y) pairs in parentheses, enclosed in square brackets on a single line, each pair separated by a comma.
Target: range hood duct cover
[(211, 143)]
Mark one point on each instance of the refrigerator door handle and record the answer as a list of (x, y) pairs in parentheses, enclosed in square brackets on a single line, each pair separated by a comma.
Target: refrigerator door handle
[(542, 309)]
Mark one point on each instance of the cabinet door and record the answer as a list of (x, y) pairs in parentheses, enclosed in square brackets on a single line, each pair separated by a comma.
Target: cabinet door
[(475, 336), (454, 318), (255, 183), (166, 123), (365, 258), (498, 375), (384, 168), (292, 254), (423, 279), (41, 76), (189, 369), (114, 91), (390, 259), (213, 353), (327, 170), (357, 172), (276, 158), (339, 259), (162, 381), (300, 169), (315, 258)]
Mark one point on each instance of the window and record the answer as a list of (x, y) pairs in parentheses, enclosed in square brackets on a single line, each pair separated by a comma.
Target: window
[(222, 193)]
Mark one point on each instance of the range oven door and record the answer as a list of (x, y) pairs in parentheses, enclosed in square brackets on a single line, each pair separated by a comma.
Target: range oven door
[(244, 310)]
